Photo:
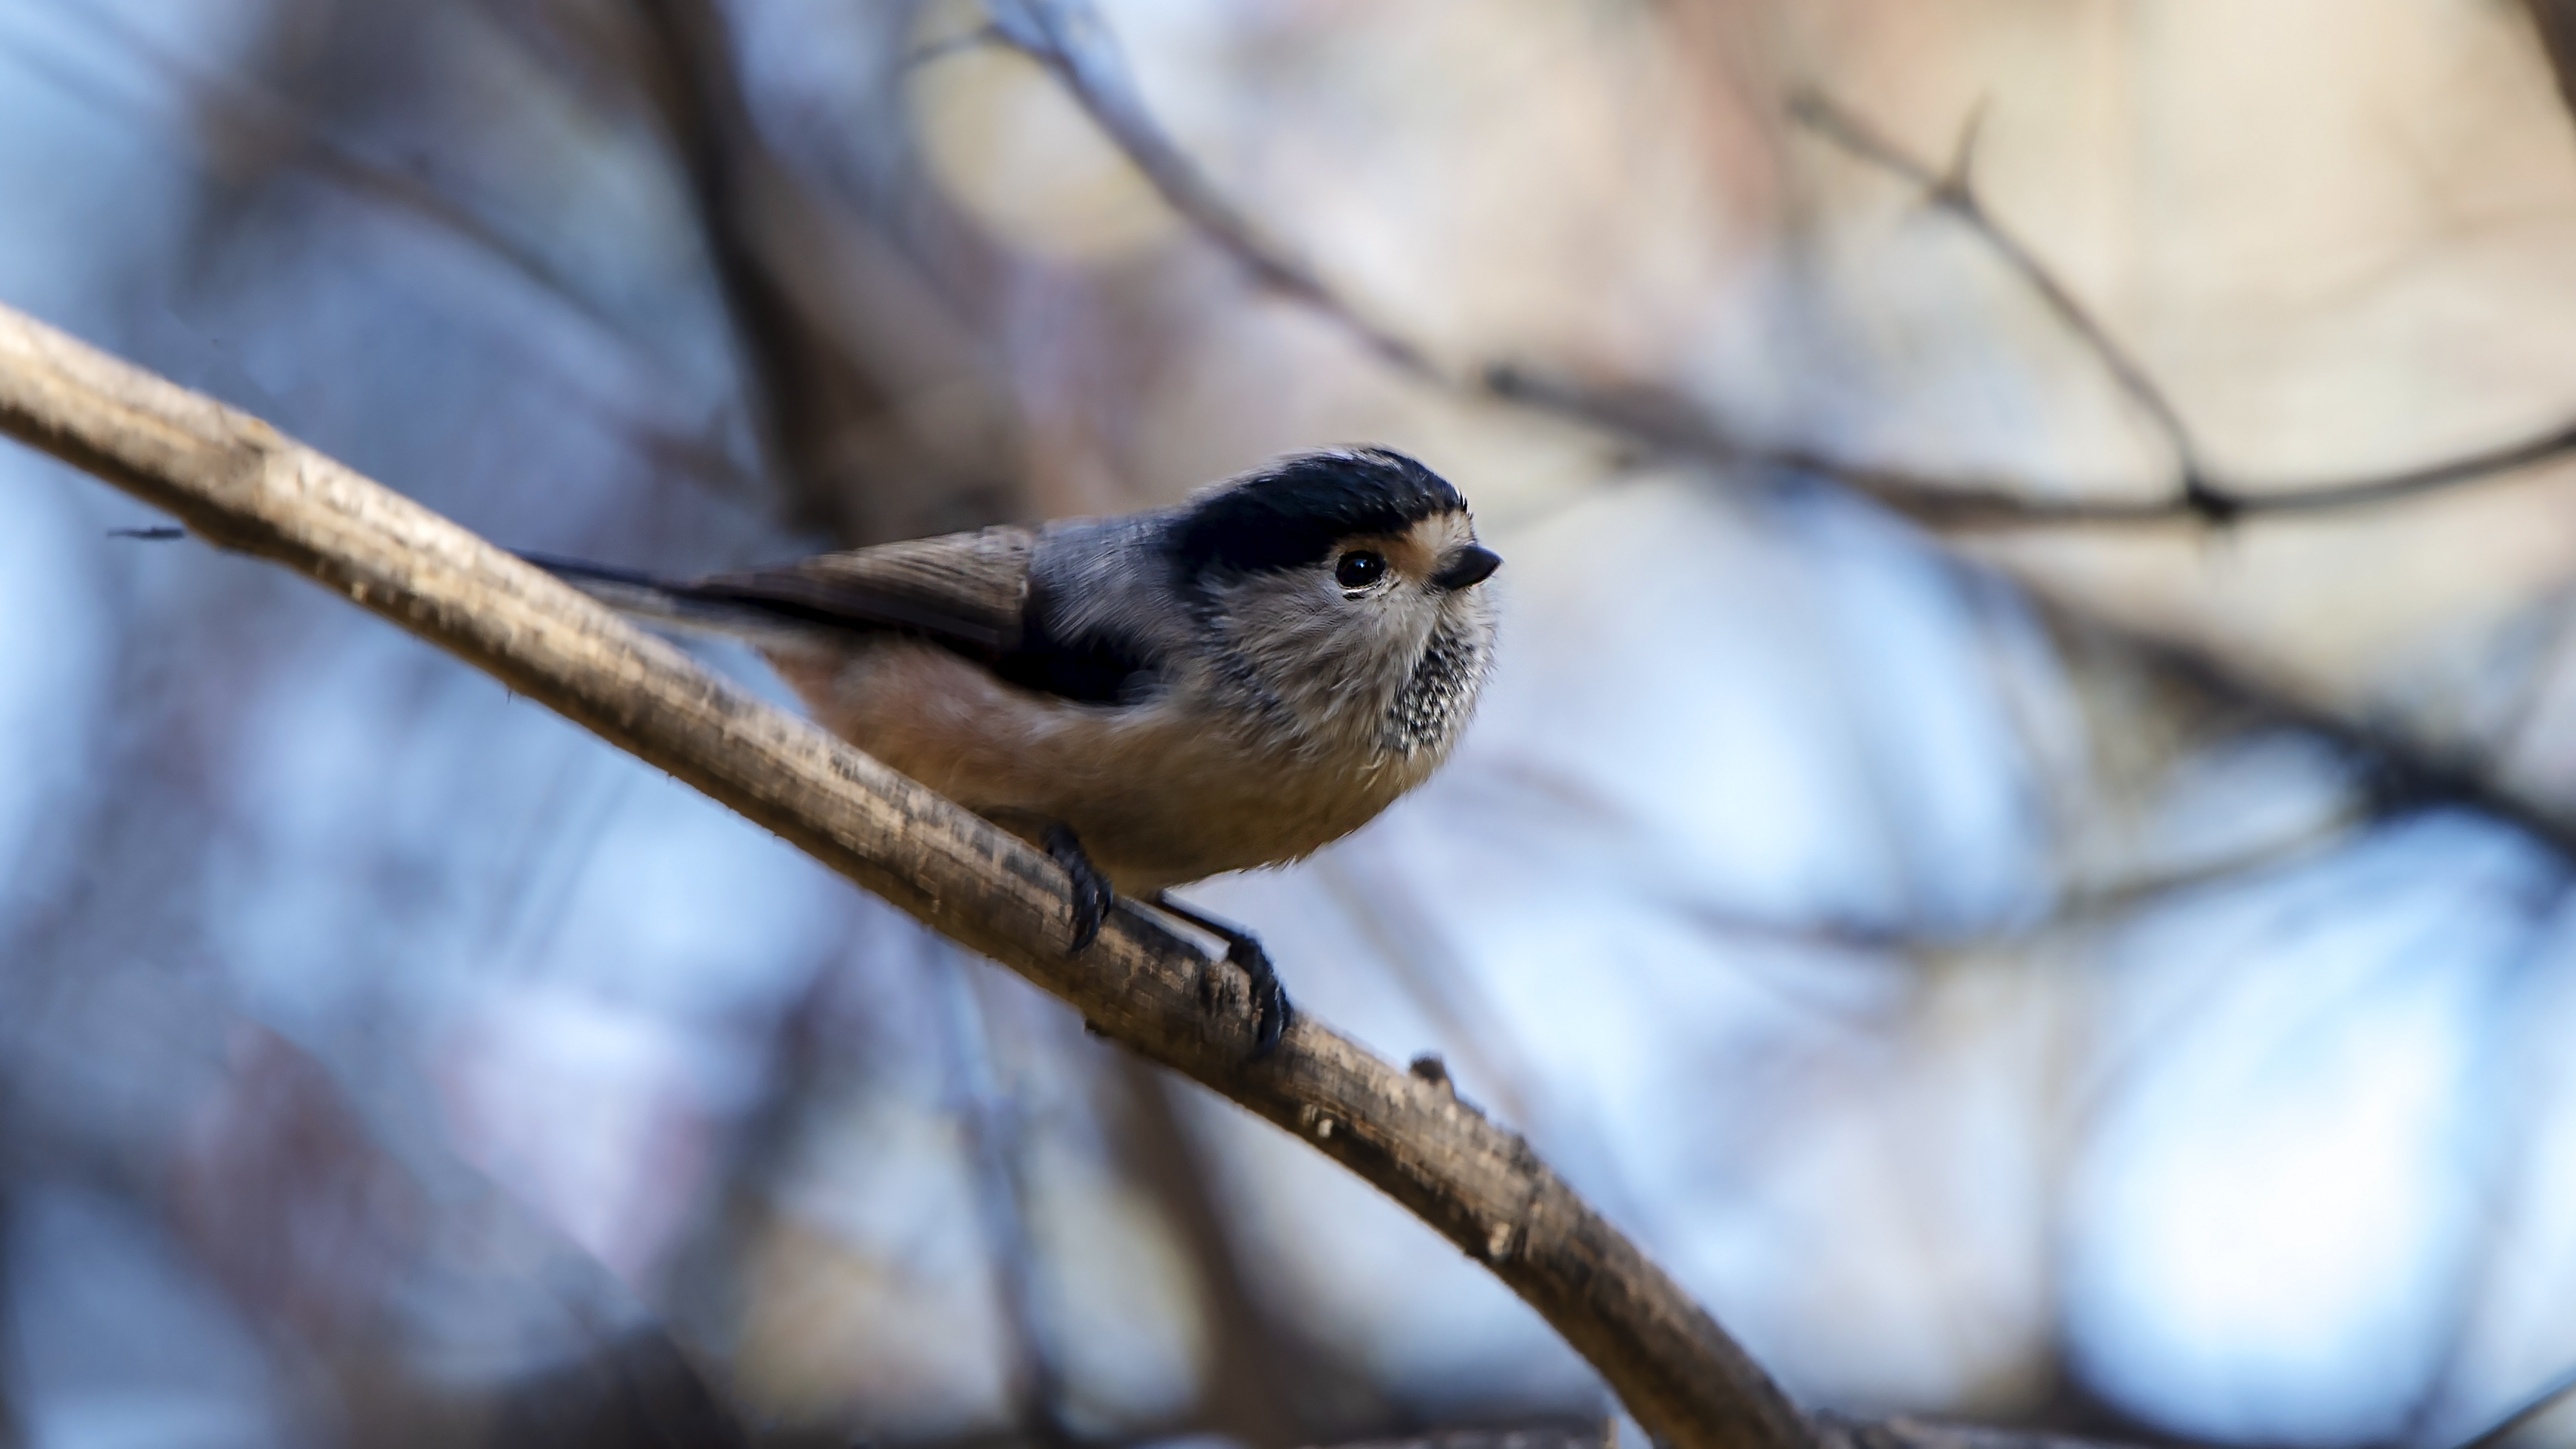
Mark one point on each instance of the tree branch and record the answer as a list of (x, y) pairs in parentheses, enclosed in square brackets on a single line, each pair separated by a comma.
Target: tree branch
[(239, 484), (1953, 190), (1073, 42), (827, 409)]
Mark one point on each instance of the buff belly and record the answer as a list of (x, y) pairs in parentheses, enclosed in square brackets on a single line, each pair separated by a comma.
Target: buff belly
[(1156, 797)]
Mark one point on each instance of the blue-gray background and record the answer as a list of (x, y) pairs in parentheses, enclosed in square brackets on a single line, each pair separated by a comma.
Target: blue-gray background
[(2027, 979)]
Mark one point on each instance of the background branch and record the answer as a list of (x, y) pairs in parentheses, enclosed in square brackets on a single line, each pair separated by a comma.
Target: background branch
[(1075, 44), (1952, 190)]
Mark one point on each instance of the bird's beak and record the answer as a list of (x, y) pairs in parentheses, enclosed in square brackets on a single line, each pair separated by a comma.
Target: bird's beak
[(1467, 568)]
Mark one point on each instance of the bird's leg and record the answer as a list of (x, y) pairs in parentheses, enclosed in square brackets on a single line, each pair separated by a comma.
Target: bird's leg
[(1270, 1010), (1091, 893)]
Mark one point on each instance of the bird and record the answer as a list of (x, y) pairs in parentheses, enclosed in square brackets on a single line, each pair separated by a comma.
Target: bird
[(1153, 698)]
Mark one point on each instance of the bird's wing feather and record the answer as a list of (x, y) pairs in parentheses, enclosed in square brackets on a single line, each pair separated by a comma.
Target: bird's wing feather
[(973, 593), (966, 590)]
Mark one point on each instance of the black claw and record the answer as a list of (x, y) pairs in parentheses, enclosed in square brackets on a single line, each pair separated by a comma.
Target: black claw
[(1091, 893), (1270, 1010)]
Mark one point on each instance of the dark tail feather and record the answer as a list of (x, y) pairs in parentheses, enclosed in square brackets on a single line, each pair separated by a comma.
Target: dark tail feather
[(682, 605)]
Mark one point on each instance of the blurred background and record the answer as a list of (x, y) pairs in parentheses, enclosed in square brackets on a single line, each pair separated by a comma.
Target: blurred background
[(2113, 977)]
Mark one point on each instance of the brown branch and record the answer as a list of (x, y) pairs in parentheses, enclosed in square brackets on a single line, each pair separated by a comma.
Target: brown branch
[(239, 484), (2399, 772), (1665, 422), (803, 385), (827, 409)]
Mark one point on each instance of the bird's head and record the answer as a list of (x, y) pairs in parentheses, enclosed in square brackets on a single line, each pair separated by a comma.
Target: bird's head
[(1347, 585)]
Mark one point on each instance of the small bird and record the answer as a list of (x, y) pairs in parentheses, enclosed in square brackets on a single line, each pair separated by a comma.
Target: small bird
[(1154, 698)]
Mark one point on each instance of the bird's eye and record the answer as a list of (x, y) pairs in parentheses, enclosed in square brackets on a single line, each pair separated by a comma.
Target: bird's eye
[(1359, 568)]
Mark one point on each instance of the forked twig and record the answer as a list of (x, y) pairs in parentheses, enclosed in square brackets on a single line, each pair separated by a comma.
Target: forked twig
[(1072, 41), (1953, 190)]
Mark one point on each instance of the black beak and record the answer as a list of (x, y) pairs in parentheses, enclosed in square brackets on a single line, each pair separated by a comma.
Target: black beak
[(1467, 568)]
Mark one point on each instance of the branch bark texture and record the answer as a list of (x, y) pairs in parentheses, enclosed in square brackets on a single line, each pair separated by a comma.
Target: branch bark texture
[(238, 483)]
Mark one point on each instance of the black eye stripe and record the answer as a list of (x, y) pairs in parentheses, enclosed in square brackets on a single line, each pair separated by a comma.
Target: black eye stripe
[(1359, 568)]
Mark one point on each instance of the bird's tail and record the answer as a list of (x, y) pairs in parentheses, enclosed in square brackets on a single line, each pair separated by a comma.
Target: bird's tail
[(697, 608)]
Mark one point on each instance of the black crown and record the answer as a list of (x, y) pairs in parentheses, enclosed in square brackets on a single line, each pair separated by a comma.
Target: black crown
[(1290, 514)]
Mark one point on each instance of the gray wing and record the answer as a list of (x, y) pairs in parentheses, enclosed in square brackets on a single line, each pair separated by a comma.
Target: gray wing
[(966, 590), (975, 593)]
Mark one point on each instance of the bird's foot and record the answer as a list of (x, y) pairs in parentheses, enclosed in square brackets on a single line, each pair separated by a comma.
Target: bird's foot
[(1270, 1010), (1092, 895)]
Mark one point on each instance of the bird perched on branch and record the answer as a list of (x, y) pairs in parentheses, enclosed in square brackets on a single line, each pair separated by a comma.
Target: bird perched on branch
[(1156, 698)]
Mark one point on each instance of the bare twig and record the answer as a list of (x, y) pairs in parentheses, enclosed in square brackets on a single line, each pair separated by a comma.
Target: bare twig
[(803, 385), (1070, 39), (1665, 422), (239, 484), (830, 422), (1953, 190)]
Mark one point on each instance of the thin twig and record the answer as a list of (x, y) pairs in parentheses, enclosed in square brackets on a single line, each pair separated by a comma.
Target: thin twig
[(237, 483), (1953, 190), (1665, 422), (1071, 40)]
